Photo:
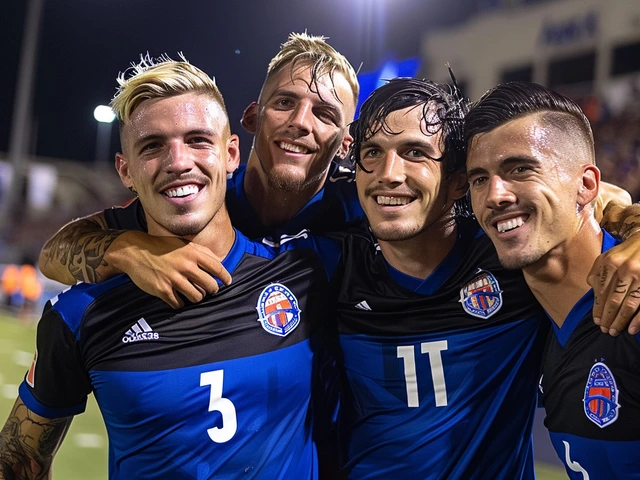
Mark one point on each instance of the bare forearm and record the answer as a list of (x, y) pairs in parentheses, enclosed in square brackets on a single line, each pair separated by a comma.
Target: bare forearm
[(77, 252), (621, 221), (28, 444)]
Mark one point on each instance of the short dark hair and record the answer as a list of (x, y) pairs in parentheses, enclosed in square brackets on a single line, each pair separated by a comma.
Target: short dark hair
[(401, 93), (512, 100)]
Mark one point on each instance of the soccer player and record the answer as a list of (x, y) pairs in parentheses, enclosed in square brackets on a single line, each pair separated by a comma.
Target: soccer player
[(217, 389), (290, 182), (440, 343), (533, 179)]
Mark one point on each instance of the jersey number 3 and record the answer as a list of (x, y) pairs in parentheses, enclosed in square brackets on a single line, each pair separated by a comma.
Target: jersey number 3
[(434, 349), (218, 404)]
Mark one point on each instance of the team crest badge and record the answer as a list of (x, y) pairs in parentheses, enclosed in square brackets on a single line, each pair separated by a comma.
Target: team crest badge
[(482, 296), (601, 396), (278, 311)]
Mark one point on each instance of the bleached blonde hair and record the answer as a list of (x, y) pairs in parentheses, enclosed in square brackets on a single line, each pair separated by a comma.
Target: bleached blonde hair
[(160, 78), (302, 48)]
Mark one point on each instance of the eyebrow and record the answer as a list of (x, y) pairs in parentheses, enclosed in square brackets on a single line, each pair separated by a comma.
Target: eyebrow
[(505, 163), (411, 144), (157, 136), (289, 94)]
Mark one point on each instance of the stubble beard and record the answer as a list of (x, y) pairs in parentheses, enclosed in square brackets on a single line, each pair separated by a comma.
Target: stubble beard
[(283, 180)]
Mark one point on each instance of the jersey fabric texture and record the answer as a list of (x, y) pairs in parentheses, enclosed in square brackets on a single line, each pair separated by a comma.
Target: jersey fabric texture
[(333, 208), (591, 393), (441, 374), (218, 389)]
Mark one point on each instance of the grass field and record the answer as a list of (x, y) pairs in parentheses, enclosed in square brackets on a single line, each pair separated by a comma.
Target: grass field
[(83, 455)]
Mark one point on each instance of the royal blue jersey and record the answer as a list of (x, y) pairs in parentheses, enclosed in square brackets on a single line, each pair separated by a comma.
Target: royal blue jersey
[(219, 389), (332, 209), (591, 393), (441, 374)]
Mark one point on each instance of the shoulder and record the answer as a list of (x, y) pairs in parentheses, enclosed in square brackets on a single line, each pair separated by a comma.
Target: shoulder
[(72, 303)]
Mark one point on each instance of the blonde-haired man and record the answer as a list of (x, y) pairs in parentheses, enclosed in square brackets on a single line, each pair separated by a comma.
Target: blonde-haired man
[(217, 389), (290, 182)]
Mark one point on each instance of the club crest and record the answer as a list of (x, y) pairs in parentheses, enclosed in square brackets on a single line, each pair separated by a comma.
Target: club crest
[(278, 311), (601, 396), (482, 296)]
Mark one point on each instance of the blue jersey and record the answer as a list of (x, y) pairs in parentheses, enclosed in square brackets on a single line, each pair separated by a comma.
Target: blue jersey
[(219, 389), (441, 374), (332, 209), (591, 393)]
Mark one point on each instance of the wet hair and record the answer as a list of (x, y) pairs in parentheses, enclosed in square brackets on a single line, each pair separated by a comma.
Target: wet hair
[(304, 50), (512, 100), (160, 78), (443, 110)]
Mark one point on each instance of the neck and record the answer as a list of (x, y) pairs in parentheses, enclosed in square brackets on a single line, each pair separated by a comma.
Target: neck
[(275, 206), (218, 236), (559, 279), (419, 256)]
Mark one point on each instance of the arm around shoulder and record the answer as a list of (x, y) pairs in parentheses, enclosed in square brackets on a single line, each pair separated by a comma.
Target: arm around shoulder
[(77, 251)]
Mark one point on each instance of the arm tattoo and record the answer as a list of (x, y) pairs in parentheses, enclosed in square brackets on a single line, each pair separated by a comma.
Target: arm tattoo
[(28, 444), (82, 248), (626, 223)]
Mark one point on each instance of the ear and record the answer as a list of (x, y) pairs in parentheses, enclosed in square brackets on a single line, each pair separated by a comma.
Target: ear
[(457, 185), (122, 166), (345, 145), (233, 152), (250, 117), (590, 185)]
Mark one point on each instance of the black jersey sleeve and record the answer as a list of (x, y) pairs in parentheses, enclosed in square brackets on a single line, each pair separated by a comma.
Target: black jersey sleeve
[(57, 384), (127, 217)]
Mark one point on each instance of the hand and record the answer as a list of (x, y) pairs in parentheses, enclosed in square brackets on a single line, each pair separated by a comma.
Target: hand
[(167, 266), (615, 279)]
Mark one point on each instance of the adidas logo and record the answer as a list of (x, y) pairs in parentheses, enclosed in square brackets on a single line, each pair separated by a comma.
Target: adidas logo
[(363, 305), (140, 331)]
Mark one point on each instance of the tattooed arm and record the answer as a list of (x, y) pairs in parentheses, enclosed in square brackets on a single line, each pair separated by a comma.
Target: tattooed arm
[(86, 250), (28, 443), (77, 251)]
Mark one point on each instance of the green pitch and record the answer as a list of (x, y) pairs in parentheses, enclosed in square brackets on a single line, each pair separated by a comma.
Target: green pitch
[(83, 455)]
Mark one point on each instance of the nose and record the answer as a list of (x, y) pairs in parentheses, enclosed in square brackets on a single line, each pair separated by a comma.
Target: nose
[(178, 158), (301, 117), (392, 169), (499, 193)]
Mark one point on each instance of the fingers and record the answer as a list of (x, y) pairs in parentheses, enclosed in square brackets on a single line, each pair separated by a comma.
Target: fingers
[(628, 311), (598, 279), (619, 305)]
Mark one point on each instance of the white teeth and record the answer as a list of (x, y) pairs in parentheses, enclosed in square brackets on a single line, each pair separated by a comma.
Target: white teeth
[(292, 148), (182, 191), (510, 224), (392, 200)]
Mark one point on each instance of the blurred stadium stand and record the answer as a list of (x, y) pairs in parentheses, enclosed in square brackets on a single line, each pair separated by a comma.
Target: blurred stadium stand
[(55, 191), (586, 49)]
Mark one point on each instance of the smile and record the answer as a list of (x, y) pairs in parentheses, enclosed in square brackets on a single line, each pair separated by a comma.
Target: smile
[(183, 191), (289, 147), (383, 200), (511, 224)]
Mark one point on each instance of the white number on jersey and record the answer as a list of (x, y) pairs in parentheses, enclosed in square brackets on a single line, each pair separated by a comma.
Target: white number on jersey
[(434, 349), (573, 466), (218, 404)]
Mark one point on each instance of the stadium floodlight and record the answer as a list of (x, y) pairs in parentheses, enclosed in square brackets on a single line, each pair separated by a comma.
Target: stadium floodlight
[(104, 114), (105, 117)]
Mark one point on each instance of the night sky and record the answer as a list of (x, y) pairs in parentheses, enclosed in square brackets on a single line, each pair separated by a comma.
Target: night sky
[(85, 43)]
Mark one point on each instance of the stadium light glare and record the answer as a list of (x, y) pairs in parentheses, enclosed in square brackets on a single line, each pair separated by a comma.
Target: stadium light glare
[(104, 114)]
